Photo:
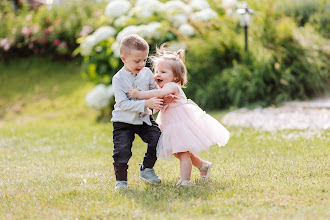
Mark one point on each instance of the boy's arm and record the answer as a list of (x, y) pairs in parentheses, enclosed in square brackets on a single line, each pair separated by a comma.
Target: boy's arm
[(159, 93), (127, 104), (122, 100)]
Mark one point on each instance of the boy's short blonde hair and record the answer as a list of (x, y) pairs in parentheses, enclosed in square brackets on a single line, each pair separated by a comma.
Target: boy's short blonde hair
[(133, 42)]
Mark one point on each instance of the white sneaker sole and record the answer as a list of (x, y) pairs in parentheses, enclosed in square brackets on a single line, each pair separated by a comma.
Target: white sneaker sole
[(150, 182)]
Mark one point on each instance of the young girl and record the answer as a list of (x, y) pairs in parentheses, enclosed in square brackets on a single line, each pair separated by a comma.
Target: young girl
[(186, 128)]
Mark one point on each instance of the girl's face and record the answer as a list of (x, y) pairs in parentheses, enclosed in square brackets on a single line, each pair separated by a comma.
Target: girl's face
[(163, 73)]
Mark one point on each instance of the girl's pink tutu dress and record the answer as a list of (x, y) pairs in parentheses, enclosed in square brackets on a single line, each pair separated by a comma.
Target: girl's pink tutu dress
[(186, 127)]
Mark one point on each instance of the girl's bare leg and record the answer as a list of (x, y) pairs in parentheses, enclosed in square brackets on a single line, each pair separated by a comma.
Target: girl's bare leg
[(185, 165), (196, 161)]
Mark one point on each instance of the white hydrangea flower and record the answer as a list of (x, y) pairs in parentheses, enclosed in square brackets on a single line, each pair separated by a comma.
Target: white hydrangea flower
[(110, 91), (146, 8), (229, 4), (120, 21), (99, 97), (117, 8), (187, 30), (104, 33), (199, 4), (132, 29), (176, 6), (98, 49), (178, 19), (87, 45), (150, 30), (204, 15), (115, 47), (140, 12), (99, 35), (149, 4), (175, 46)]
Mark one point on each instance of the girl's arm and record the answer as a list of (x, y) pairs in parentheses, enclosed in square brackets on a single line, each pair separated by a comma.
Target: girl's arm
[(159, 93)]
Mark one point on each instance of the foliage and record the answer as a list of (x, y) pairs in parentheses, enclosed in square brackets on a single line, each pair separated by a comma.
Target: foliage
[(312, 12), (50, 31), (157, 22), (279, 67), (102, 63), (287, 59), (284, 62)]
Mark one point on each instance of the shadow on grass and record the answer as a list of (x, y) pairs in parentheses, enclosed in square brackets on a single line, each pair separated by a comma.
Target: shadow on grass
[(169, 197)]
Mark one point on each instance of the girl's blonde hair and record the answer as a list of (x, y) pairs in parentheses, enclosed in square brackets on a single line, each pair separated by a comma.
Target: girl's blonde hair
[(174, 60)]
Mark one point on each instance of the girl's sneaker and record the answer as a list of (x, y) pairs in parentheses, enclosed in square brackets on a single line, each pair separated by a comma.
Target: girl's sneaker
[(205, 170), (183, 183)]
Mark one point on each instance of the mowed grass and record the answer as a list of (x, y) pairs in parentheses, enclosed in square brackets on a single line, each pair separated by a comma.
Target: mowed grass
[(55, 162)]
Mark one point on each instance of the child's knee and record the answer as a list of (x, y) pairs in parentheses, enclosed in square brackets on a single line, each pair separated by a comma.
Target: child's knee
[(183, 155), (154, 137), (122, 155)]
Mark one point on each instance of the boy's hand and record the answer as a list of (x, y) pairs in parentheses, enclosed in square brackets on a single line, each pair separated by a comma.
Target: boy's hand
[(170, 98), (154, 103), (133, 93)]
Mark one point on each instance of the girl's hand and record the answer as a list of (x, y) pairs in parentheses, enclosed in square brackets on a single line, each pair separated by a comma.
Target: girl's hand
[(170, 98), (133, 93), (154, 103)]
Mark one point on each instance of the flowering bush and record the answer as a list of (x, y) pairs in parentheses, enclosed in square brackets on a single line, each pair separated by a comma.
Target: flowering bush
[(287, 59), (284, 62), (157, 22), (52, 31), (99, 98)]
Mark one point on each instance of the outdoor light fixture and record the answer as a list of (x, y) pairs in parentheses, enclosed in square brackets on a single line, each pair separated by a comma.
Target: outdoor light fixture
[(245, 16)]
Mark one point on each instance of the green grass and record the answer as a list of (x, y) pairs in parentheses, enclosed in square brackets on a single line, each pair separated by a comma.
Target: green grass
[(55, 162)]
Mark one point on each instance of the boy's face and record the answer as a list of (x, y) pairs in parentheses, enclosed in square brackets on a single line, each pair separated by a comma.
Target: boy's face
[(135, 61)]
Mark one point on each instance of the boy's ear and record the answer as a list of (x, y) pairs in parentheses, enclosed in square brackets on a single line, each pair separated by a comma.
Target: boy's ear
[(122, 57)]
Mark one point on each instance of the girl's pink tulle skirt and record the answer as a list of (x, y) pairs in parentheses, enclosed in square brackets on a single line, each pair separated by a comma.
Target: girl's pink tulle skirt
[(188, 128)]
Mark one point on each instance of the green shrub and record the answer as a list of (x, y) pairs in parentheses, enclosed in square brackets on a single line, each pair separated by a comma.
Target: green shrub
[(157, 25), (313, 12), (280, 67), (287, 58), (43, 30)]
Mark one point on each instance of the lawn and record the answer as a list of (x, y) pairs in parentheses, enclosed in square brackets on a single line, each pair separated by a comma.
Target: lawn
[(55, 161)]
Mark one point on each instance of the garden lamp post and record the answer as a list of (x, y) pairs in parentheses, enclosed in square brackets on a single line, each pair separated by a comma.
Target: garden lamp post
[(245, 16)]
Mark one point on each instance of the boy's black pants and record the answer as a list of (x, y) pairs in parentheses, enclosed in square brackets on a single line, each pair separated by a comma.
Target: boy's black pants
[(123, 137)]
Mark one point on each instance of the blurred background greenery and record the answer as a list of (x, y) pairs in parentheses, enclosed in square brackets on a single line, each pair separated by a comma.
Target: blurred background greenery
[(287, 58)]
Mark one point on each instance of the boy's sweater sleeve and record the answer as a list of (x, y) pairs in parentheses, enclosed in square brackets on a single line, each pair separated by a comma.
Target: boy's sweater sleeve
[(123, 101)]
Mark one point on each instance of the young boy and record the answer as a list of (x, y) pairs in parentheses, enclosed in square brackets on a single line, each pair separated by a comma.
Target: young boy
[(133, 116)]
